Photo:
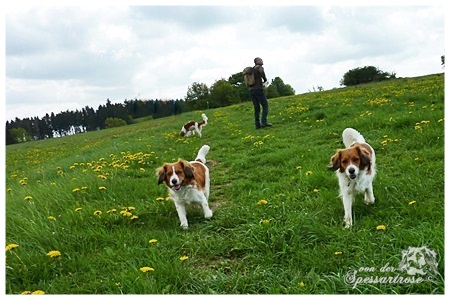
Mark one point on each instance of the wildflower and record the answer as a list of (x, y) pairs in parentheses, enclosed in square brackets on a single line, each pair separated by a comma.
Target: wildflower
[(308, 173), (146, 269), (52, 218), (265, 222), (26, 293), (183, 258), (54, 253), (102, 188), (38, 292), (153, 241), (78, 209), (125, 213), (412, 202), (381, 227), (9, 190), (142, 169), (97, 213), (262, 202), (111, 211), (301, 284), (338, 253), (11, 246), (101, 176), (298, 167), (28, 198), (130, 208), (134, 217), (316, 191)]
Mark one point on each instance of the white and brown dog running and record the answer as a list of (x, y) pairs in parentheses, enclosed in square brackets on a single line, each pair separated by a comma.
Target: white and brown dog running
[(355, 169), (187, 182), (191, 127)]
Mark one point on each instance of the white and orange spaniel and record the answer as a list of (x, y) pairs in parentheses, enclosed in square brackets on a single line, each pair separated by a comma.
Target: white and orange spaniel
[(191, 127), (187, 182), (355, 169)]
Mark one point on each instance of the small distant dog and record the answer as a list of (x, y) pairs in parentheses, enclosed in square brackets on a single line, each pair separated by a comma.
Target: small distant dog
[(191, 127), (187, 182), (355, 169)]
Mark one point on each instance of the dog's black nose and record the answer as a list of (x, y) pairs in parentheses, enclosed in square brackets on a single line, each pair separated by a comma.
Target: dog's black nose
[(351, 171), (174, 181)]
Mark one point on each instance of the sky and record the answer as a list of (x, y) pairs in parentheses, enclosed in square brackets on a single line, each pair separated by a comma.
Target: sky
[(61, 56)]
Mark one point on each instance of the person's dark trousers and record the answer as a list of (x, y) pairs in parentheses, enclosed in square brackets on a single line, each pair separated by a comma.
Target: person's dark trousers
[(259, 99)]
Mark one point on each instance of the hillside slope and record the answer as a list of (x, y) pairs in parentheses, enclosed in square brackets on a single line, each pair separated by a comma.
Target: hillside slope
[(94, 198)]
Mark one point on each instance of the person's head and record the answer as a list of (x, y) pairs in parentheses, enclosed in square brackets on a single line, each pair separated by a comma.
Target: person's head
[(258, 61)]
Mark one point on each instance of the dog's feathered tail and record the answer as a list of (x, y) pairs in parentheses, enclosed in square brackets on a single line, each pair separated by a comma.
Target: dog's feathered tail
[(350, 135), (201, 156), (205, 119)]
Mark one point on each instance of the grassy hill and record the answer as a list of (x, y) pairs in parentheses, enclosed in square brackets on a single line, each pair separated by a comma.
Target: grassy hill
[(94, 198)]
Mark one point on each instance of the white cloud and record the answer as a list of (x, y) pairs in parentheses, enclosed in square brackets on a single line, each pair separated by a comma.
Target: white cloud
[(67, 57)]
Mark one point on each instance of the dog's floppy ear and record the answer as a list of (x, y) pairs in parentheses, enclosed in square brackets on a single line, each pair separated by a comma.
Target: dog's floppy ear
[(365, 158), (161, 173), (335, 161), (188, 169)]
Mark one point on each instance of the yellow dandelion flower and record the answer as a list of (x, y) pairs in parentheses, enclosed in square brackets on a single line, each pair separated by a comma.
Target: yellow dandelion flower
[(308, 173), (38, 292), (111, 211), (54, 253), (134, 217), (9, 190), (26, 293), (97, 212), (316, 190), (28, 198), (153, 241), (142, 169), (338, 253), (412, 202), (11, 246), (262, 202), (146, 269), (75, 190), (102, 188), (125, 213), (130, 208), (298, 167), (159, 199), (78, 209), (84, 187), (302, 285), (265, 222), (183, 258), (72, 167), (52, 218), (381, 227)]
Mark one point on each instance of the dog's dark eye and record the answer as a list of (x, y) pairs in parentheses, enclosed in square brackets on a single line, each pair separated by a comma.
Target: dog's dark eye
[(344, 161), (178, 172), (356, 159), (169, 174)]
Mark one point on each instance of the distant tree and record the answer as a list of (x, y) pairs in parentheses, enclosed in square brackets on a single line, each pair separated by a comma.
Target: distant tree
[(20, 135), (443, 60), (278, 88), (198, 96), (222, 94), (114, 122), (237, 81), (365, 75)]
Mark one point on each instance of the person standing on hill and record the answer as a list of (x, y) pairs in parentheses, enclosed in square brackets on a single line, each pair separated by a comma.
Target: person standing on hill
[(258, 96)]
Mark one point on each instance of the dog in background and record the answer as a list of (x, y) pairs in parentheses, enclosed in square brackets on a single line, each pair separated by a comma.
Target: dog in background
[(191, 127), (187, 182), (355, 169)]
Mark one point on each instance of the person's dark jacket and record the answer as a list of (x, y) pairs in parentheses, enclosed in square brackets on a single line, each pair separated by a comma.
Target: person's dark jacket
[(260, 77)]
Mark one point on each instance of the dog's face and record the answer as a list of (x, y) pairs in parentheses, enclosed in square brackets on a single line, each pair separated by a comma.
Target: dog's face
[(176, 175), (351, 161)]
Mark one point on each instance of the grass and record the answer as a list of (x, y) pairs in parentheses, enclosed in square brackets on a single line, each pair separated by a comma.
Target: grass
[(94, 198)]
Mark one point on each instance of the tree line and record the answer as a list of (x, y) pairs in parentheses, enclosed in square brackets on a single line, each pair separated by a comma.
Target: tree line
[(223, 92)]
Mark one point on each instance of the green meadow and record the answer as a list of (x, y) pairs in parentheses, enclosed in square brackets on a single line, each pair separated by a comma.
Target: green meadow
[(84, 213)]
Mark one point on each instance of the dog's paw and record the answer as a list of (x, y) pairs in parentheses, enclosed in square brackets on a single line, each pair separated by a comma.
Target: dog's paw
[(208, 214)]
